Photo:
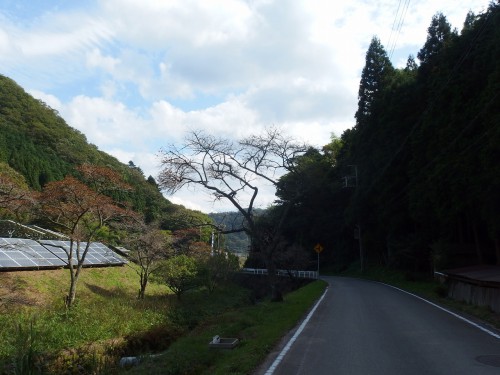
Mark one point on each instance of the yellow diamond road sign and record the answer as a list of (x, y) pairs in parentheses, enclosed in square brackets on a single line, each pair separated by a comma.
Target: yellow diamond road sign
[(318, 248)]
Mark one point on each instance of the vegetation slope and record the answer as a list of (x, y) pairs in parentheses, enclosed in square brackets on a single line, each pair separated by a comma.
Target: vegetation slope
[(414, 184), (37, 142)]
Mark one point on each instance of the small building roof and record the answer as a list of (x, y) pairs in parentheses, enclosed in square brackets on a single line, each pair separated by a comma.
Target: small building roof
[(479, 274)]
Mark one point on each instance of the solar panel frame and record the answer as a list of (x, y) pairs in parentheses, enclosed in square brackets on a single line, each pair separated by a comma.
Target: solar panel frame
[(60, 249), (26, 253), (8, 263), (18, 253), (98, 253)]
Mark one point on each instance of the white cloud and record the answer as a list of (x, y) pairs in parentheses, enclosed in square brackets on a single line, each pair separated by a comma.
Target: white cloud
[(6, 45), (51, 100), (95, 58), (134, 76), (187, 22), (188, 204), (231, 118), (148, 162), (106, 122)]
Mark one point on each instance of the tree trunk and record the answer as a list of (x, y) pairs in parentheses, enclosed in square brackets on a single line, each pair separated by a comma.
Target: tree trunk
[(497, 249), (142, 290), (276, 295), (361, 252), (479, 252), (71, 297)]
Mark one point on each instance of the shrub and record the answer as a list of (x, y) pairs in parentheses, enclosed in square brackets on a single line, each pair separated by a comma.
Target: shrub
[(179, 273)]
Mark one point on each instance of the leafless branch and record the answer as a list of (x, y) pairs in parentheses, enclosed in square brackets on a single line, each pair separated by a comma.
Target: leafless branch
[(229, 170)]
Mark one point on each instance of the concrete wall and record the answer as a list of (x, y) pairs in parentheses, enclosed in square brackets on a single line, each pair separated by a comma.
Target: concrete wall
[(479, 295)]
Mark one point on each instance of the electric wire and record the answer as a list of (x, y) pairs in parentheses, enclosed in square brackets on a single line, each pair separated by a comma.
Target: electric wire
[(393, 41), (430, 106), (394, 24)]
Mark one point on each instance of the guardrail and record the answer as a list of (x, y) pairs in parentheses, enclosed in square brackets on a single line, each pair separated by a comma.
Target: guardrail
[(295, 273)]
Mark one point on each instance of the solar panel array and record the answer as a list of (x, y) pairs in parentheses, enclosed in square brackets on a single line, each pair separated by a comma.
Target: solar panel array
[(98, 253), (18, 253)]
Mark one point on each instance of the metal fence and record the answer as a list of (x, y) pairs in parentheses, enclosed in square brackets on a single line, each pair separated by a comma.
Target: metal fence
[(294, 273)]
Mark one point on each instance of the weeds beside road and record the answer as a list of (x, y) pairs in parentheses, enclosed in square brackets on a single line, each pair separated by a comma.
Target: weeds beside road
[(109, 322), (39, 335)]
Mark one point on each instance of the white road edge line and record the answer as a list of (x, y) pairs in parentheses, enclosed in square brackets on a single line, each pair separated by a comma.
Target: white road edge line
[(287, 347), (496, 335)]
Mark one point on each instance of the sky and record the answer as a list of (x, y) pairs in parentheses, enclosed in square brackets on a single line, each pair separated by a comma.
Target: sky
[(135, 76)]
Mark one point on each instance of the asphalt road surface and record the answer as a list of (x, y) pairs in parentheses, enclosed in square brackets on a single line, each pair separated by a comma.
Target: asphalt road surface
[(363, 327)]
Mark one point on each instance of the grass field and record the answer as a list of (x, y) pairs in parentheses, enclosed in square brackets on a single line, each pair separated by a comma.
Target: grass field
[(34, 319), (259, 327), (38, 334)]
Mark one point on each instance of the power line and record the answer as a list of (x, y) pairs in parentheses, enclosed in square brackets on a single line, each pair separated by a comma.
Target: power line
[(432, 102), (394, 23), (397, 26), (430, 106)]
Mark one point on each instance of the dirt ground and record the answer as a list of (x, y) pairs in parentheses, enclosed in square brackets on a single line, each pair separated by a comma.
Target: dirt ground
[(17, 290)]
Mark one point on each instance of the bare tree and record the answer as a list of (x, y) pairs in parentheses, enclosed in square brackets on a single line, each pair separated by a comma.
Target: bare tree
[(81, 212), (293, 258), (148, 248), (233, 171)]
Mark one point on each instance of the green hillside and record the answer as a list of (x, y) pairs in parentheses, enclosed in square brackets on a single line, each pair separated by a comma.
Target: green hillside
[(37, 142)]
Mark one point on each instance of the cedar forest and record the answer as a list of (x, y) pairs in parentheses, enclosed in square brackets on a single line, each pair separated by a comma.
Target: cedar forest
[(414, 185)]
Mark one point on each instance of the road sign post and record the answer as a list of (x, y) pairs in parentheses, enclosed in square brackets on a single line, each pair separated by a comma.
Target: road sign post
[(318, 248)]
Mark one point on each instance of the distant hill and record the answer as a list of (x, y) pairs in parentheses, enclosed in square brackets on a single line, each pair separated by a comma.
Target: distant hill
[(38, 143), (234, 242)]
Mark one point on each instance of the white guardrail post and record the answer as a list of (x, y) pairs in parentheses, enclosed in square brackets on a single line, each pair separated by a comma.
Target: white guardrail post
[(300, 274)]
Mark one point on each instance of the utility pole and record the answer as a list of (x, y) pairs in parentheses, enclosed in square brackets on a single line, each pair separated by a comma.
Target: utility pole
[(357, 234), (212, 243), (349, 178), (357, 230)]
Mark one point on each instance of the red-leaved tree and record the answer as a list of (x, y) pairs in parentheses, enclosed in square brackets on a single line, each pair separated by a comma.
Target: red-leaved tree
[(82, 211)]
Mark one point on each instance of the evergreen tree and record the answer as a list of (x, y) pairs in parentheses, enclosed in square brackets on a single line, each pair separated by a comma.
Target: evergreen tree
[(469, 22), (438, 33), (377, 68), (37, 142), (411, 65)]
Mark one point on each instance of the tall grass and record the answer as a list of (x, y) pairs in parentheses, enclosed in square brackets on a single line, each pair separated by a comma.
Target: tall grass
[(26, 359), (258, 327), (105, 313), (108, 322)]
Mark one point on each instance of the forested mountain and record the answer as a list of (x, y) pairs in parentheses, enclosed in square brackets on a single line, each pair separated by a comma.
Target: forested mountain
[(37, 142), (415, 184), (237, 242)]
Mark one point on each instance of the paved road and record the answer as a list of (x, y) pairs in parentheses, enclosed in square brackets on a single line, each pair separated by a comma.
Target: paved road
[(368, 328)]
